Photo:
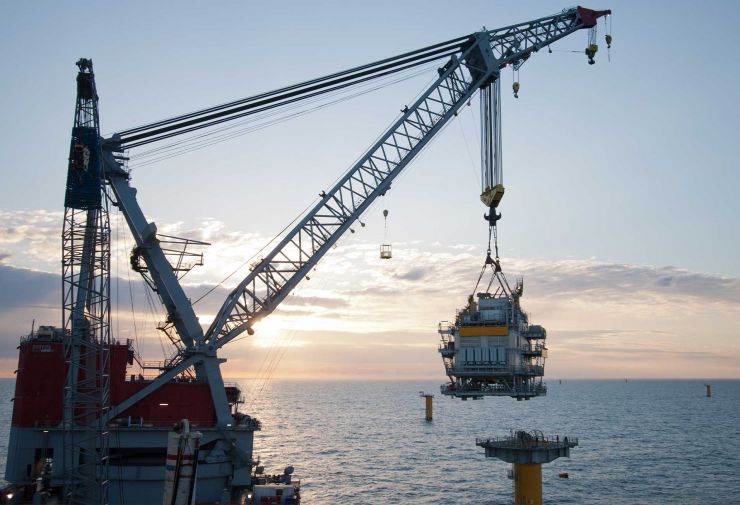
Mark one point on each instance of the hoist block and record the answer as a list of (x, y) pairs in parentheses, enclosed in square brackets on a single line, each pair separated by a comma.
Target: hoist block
[(492, 196)]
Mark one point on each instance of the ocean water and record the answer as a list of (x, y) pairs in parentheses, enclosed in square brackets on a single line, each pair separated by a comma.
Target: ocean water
[(641, 442)]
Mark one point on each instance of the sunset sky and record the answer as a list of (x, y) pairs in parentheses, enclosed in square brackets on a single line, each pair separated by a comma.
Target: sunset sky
[(621, 209)]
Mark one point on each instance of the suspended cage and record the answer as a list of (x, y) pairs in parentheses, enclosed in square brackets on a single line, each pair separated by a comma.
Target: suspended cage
[(385, 249), (385, 252)]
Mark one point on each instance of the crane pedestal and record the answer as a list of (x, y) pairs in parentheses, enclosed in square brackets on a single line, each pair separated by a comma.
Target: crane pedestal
[(526, 452)]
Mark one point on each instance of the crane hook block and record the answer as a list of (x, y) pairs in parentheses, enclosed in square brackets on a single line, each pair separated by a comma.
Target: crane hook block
[(591, 52), (491, 197), (608, 41), (385, 213), (515, 87), (492, 217)]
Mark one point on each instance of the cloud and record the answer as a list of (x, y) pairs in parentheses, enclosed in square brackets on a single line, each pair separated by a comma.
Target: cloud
[(604, 319), (24, 288), (318, 301), (25, 296), (31, 238), (571, 277), (414, 274)]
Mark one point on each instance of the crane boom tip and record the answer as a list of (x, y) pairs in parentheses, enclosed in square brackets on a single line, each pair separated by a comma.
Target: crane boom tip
[(589, 16)]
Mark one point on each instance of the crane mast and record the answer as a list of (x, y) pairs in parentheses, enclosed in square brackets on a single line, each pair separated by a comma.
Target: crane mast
[(86, 303)]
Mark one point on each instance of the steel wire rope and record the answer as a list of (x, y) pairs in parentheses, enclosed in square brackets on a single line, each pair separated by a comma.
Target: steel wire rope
[(261, 375), (153, 312), (281, 350), (485, 264), (316, 200), (383, 133), (194, 125), (169, 133), (402, 174), (467, 150), (490, 283), (190, 144), (277, 351), (279, 234), (338, 88), (274, 356), (117, 221), (257, 116), (131, 296), (234, 106), (271, 355), (187, 145), (440, 45)]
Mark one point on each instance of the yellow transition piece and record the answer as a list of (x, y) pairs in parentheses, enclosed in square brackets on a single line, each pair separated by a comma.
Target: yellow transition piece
[(528, 484)]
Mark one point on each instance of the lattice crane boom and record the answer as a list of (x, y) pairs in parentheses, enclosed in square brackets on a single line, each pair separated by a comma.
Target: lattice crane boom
[(479, 64), (475, 64), (86, 304)]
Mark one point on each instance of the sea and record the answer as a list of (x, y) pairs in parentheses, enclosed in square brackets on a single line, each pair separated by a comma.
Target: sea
[(361, 442)]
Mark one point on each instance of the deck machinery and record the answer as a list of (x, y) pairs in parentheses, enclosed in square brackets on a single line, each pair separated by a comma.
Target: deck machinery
[(88, 429)]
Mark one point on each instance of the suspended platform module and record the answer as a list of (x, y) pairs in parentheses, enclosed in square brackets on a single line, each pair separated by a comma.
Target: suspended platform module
[(492, 350)]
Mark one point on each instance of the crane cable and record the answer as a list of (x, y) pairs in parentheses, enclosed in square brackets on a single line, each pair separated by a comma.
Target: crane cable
[(491, 171), (494, 262), (252, 124), (442, 46), (246, 110), (215, 115), (245, 262)]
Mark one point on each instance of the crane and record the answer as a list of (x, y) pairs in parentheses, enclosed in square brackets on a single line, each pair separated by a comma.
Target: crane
[(137, 409)]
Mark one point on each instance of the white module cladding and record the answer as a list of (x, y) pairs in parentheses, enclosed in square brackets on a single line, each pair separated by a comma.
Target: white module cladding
[(498, 315)]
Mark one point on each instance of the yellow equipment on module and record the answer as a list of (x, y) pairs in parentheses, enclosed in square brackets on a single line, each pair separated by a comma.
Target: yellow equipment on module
[(492, 196)]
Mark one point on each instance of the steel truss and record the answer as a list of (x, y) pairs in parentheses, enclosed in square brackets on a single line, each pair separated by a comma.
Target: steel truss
[(86, 312), (485, 54)]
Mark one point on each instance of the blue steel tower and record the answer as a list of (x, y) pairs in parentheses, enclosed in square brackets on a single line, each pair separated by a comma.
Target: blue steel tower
[(86, 304)]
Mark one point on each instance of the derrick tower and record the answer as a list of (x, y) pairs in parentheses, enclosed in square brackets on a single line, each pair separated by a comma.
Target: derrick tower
[(86, 304)]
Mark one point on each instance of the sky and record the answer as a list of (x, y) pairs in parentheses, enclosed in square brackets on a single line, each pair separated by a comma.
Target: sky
[(620, 213)]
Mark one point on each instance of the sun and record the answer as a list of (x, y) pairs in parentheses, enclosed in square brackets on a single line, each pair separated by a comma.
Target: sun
[(275, 331)]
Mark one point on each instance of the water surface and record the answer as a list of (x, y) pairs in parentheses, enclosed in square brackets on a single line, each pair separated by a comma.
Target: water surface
[(641, 442)]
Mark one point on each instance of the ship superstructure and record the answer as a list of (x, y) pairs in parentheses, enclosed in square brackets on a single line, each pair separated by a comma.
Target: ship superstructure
[(137, 434)]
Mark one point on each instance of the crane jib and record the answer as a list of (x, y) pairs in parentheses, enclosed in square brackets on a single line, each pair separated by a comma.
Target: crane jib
[(187, 123), (484, 55), (474, 61)]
